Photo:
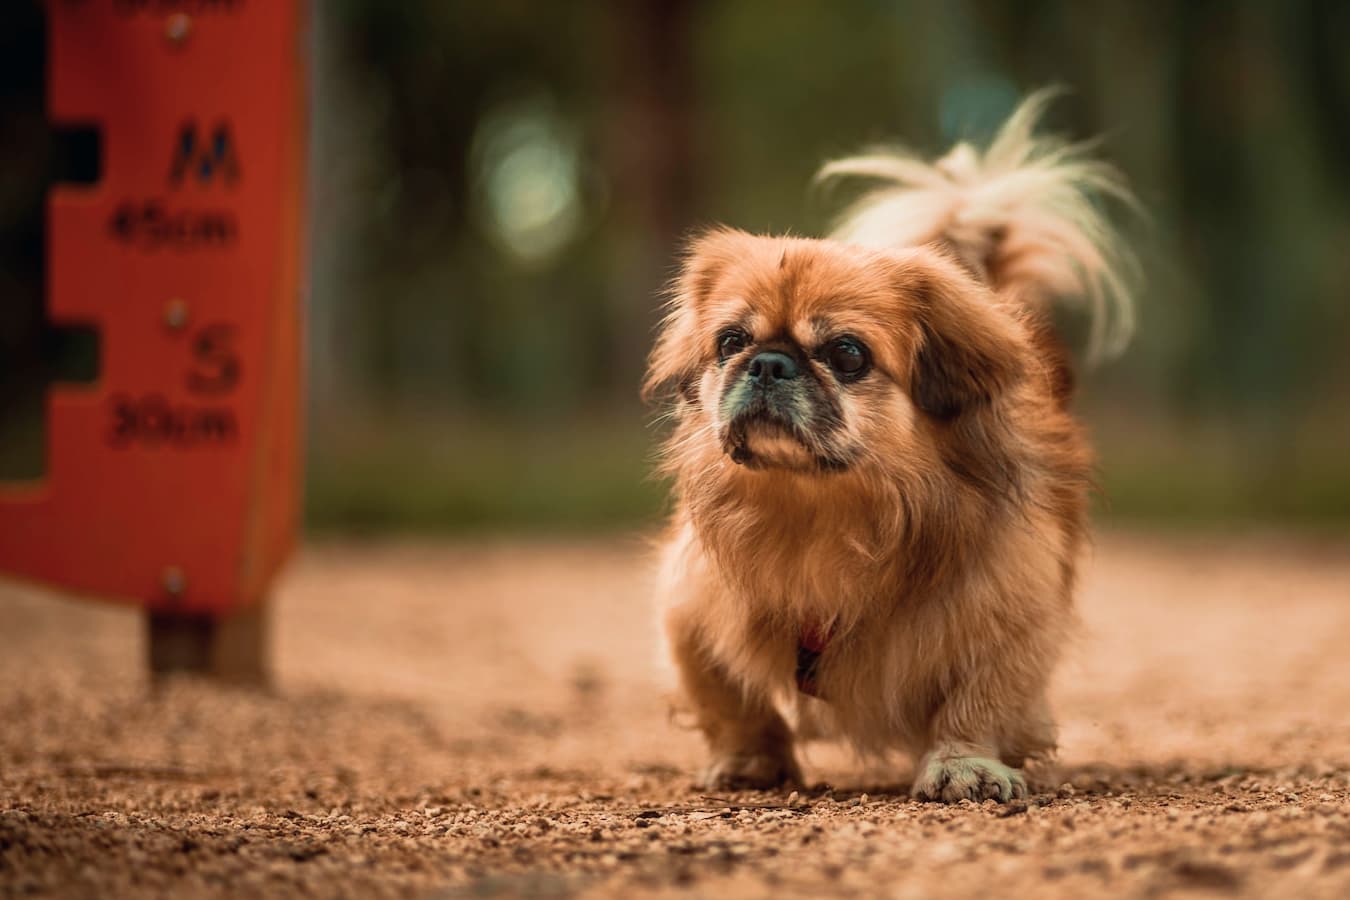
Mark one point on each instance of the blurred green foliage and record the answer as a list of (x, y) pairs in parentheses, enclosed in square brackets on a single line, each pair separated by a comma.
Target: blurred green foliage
[(485, 477)]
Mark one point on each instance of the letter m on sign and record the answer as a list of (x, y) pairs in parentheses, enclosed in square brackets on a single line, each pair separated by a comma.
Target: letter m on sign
[(204, 155)]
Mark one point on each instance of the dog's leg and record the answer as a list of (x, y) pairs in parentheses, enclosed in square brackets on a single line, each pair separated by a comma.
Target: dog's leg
[(750, 744), (1033, 736), (952, 771), (984, 724)]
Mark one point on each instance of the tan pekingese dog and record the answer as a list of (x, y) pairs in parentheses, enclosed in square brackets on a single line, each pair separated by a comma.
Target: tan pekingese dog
[(881, 492)]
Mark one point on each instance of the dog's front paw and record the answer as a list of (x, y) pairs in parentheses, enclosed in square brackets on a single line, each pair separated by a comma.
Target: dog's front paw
[(951, 779), (735, 771)]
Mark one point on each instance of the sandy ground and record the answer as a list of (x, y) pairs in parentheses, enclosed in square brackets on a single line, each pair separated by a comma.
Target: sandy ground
[(487, 720)]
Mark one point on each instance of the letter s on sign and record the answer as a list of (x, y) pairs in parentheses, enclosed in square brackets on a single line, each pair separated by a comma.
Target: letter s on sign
[(215, 369)]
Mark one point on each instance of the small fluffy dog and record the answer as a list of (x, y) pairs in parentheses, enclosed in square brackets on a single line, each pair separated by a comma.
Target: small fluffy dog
[(881, 492)]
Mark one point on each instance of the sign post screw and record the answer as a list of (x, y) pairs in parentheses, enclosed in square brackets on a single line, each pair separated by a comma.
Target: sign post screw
[(175, 582), (176, 314), (177, 27)]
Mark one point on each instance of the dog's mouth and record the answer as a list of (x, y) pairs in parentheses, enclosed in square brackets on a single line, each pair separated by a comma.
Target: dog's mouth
[(761, 439)]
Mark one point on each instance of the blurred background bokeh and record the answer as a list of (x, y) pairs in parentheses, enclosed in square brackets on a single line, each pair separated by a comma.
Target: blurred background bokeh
[(499, 190)]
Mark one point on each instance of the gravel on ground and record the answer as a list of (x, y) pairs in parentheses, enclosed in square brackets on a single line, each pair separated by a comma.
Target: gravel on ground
[(483, 719)]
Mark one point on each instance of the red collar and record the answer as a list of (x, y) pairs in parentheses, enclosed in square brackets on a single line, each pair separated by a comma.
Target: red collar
[(810, 646)]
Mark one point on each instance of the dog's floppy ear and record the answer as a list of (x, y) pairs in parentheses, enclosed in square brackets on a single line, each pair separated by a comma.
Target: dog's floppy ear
[(969, 349), (675, 360)]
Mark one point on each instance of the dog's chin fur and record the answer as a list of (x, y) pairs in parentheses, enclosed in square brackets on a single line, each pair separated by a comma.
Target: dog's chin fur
[(767, 445), (926, 515)]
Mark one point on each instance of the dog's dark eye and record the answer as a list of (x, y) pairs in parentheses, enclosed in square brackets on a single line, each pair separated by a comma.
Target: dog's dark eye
[(731, 342), (848, 357)]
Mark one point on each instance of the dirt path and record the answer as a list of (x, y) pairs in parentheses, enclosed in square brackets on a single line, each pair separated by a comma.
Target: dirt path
[(486, 720)]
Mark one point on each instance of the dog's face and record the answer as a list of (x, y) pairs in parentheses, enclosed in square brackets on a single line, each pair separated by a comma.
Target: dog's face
[(816, 357)]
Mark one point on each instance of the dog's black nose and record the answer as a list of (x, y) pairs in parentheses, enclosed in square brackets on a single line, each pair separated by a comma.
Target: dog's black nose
[(771, 366)]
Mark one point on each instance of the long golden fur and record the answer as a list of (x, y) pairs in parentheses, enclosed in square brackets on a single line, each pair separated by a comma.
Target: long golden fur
[(872, 441)]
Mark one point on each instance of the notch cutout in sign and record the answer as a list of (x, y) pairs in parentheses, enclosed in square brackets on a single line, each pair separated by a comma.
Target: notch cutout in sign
[(36, 354), (60, 355), (77, 154)]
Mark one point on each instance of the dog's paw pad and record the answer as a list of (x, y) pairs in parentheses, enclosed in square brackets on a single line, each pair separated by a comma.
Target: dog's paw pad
[(955, 778), (750, 771)]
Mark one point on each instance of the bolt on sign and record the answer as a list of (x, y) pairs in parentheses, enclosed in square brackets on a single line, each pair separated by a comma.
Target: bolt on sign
[(172, 480)]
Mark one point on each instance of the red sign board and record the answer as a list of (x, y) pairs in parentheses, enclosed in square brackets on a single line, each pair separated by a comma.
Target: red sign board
[(172, 481)]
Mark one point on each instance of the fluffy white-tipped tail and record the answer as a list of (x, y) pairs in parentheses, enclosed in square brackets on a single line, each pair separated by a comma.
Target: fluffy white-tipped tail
[(1023, 213)]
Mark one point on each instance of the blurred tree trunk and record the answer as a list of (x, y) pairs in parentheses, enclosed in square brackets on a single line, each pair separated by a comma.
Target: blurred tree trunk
[(651, 150), (1212, 110)]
